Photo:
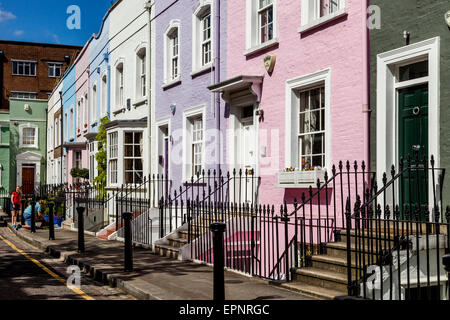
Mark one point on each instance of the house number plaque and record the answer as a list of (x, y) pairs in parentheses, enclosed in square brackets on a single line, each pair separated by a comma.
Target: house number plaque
[(269, 62)]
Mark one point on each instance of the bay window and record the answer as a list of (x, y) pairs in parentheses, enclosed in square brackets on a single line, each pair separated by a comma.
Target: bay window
[(113, 151), (133, 168)]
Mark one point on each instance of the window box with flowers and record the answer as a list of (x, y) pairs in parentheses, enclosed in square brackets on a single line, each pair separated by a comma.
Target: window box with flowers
[(295, 178), (308, 140)]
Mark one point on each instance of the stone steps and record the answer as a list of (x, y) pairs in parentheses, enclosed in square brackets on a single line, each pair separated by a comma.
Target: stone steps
[(314, 291), (327, 279)]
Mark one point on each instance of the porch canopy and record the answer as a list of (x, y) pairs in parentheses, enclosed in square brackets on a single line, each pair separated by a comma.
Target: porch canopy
[(74, 145), (242, 89)]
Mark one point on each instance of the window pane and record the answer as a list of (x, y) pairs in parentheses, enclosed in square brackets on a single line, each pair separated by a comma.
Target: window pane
[(314, 121), (414, 71), (128, 151), (128, 137)]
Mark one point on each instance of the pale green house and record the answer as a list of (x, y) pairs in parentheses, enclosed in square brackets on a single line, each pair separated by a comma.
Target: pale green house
[(4, 153), (28, 140)]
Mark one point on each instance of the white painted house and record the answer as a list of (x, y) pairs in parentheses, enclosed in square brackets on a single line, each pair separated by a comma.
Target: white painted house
[(129, 60), (55, 157)]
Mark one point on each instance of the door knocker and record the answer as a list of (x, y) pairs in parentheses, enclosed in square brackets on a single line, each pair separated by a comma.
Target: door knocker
[(416, 111)]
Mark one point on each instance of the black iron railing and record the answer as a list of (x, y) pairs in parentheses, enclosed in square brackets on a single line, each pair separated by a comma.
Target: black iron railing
[(398, 234)]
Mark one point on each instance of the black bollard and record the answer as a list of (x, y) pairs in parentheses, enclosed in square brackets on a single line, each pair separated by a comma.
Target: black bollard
[(22, 219), (446, 262), (217, 230), (80, 211), (128, 261), (51, 227), (33, 217)]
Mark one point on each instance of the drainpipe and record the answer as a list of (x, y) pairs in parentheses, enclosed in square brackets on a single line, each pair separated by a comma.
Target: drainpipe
[(148, 6), (108, 106), (62, 136), (366, 88), (217, 76)]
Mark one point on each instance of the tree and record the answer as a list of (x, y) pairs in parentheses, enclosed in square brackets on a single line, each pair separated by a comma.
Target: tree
[(100, 156)]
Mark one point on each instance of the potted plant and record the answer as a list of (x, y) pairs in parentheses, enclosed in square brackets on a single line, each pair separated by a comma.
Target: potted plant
[(79, 173)]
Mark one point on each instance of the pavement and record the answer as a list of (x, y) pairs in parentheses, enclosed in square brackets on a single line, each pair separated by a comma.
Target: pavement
[(154, 277), (27, 273)]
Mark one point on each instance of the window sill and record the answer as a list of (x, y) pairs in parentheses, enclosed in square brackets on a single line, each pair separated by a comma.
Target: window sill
[(140, 102), (27, 146), (324, 20), (206, 68), (261, 47), (118, 110), (171, 83), (300, 179)]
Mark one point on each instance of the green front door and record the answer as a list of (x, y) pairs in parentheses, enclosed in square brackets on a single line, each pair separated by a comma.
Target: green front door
[(413, 141)]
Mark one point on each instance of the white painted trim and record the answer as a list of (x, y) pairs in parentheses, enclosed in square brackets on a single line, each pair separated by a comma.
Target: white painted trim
[(36, 136), (253, 42), (234, 128), (103, 113), (387, 98), (189, 113), (196, 32), (299, 83), (173, 24), (31, 158), (162, 122), (324, 20)]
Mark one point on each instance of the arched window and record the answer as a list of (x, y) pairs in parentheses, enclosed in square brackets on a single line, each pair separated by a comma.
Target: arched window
[(119, 85), (141, 72), (104, 95), (172, 53), (202, 36)]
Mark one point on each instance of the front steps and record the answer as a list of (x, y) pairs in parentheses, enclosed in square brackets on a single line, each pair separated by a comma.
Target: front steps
[(325, 276)]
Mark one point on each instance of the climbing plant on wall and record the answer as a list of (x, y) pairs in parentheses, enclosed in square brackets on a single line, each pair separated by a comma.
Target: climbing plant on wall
[(100, 156)]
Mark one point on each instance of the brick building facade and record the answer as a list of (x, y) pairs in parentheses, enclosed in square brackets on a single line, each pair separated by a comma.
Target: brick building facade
[(31, 70)]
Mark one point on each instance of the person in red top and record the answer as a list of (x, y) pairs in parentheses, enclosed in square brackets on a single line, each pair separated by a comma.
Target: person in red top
[(16, 197)]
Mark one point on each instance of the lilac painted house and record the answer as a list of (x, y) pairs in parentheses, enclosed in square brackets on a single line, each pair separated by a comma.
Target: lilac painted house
[(188, 121)]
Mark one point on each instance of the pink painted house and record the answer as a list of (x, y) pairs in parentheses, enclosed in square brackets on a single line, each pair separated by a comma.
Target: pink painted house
[(296, 91)]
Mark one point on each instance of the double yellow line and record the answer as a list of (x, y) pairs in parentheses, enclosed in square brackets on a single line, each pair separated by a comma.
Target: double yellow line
[(54, 275)]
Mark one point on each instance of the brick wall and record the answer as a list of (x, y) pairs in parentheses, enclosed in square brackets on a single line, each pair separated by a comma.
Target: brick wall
[(42, 84)]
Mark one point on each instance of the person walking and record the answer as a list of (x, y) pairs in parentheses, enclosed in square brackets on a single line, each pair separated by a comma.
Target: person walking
[(16, 198)]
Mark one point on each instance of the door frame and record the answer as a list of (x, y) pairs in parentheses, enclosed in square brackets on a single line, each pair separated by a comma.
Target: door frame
[(387, 102), (235, 124), (24, 159)]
